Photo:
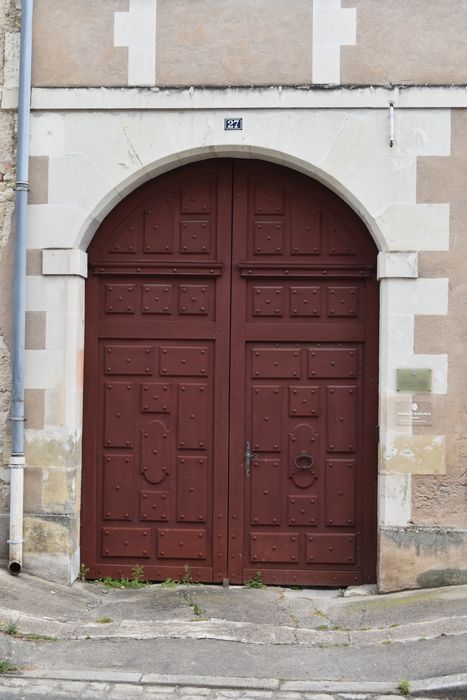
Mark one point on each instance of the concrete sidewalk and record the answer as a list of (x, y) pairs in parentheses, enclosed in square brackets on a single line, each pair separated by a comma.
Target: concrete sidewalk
[(287, 641)]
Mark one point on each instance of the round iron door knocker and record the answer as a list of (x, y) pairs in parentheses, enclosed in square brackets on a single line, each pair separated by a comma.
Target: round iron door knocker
[(303, 461)]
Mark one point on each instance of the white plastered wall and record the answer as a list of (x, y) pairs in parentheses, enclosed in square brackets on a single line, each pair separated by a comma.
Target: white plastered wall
[(97, 157)]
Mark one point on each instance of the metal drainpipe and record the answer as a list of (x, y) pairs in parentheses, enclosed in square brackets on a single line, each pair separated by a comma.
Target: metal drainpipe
[(17, 461)]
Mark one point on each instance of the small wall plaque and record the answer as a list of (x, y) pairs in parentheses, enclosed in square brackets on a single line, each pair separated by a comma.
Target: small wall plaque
[(414, 412), (413, 380), (233, 124)]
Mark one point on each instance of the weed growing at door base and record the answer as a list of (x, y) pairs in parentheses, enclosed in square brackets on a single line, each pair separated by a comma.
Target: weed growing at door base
[(136, 580), (170, 583), (83, 572), (256, 581), (186, 580)]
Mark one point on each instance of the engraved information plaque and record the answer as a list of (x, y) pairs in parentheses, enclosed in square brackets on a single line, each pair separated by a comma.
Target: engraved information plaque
[(413, 380)]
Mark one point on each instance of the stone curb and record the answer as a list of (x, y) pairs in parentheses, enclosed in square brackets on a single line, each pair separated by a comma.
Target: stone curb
[(454, 682), (153, 679), (457, 681), (231, 631)]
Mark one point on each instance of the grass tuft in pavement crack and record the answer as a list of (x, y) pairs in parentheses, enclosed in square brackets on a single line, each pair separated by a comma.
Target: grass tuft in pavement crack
[(12, 631), (404, 687), (7, 667)]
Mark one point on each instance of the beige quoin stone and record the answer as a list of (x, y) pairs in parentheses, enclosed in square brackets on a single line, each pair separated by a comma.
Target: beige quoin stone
[(34, 408), (38, 179), (34, 262), (35, 330)]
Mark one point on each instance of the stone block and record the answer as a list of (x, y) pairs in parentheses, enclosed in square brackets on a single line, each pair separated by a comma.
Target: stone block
[(52, 567), (401, 265), (35, 330), (52, 449), (50, 534), (55, 225), (419, 296), (44, 369), (395, 499), (34, 262), (59, 491), (33, 478), (421, 557), (38, 179), (4, 534), (64, 407), (411, 226), (63, 261)]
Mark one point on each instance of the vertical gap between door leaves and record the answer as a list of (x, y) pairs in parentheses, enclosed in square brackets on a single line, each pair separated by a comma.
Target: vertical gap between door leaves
[(229, 428)]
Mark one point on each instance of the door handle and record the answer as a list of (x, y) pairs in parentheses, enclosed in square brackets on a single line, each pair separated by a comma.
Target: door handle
[(248, 457)]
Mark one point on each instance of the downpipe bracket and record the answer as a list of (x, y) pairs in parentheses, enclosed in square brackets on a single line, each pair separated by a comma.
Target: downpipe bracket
[(22, 186)]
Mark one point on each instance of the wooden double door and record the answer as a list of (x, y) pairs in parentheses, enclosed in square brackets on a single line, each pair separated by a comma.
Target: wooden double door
[(231, 382)]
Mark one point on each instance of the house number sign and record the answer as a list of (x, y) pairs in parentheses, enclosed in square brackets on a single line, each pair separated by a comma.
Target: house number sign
[(232, 124)]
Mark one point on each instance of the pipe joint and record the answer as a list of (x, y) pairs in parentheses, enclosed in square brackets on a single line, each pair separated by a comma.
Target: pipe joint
[(17, 462), (22, 186)]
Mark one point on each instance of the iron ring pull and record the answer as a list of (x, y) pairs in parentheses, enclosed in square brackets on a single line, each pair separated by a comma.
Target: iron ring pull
[(303, 461)]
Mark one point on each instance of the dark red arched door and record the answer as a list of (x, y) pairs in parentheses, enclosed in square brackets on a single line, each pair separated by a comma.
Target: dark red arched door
[(231, 382)]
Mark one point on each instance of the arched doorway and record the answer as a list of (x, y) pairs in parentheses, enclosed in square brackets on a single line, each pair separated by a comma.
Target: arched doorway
[(231, 381)]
